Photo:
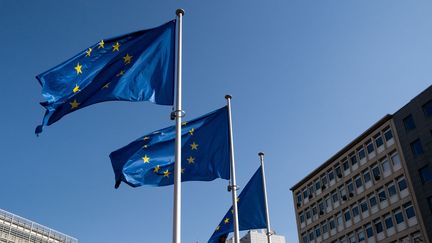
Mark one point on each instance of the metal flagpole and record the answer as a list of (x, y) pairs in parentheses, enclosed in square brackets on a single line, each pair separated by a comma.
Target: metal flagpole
[(178, 113), (261, 155), (233, 187)]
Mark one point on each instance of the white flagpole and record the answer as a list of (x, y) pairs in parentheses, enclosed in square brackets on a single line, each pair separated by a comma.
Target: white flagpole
[(233, 187), (261, 155), (178, 113)]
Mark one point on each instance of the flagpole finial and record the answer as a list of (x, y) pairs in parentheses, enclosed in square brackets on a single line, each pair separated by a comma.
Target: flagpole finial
[(260, 154), (180, 11), (228, 97)]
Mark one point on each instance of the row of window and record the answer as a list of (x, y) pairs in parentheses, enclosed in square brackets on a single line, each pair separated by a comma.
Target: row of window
[(346, 166), (356, 185), (408, 121), (365, 206), (394, 221)]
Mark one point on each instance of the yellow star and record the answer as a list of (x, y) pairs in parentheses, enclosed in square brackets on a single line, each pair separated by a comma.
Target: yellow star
[(76, 89), (120, 73), (78, 68), (226, 221), (217, 228), (146, 159), (116, 47), (238, 199), (88, 52), (101, 44), (156, 169), (194, 146), (145, 146), (127, 59), (182, 170), (146, 138), (191, 132), (232, 211), (166, 173), (74, 104), (184, 123), (191, 160), (106, 86)]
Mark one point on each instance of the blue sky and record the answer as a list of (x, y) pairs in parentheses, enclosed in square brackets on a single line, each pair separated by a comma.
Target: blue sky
[(306, 78)]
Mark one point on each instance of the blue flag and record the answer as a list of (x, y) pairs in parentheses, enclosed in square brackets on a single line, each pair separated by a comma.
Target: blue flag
[(149, 160), (251, 210), (134, 67)]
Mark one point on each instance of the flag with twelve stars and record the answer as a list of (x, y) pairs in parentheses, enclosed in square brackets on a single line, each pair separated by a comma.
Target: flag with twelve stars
[(134, 67), (149, 160), (251, 210)]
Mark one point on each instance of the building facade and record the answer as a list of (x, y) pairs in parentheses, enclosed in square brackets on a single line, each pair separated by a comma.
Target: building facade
[(377, 188), (255, 236), (15, 229)]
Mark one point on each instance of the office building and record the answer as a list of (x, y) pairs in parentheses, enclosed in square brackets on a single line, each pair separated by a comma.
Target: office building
[(255, 236), (15, 229), (378, 188)]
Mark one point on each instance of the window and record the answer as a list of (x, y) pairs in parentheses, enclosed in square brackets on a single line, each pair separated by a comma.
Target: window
[(311, 190), (388, 134), (425, 174), (338, 172), (363, 206), (366, 176), (376, 173), (355, 210), (395, 160), (342, 193), (369, 230), (305, 193), (302, 218), (378, 141), (372, 201), (391, 189), (358, 181), (324, 181), (398, 216), (339, 219), (328, 201), (305, 238), (335, 197), (321, 208), (385, 165), (409, 210), (345, 165), (360, 235), (429, 199), (382, 195), (402, 184), (427, 108), (416, 148), (370, 148), (347, 215), (308, 214), (331, 175), (317, 231), (352, 239), (353, 159), (378, 225), (324, 227), (314, 210), (409, 123), (361, 153), (299, 199), (388, 221), (317, 185), (350, 187), (311, 235), (332, 224)]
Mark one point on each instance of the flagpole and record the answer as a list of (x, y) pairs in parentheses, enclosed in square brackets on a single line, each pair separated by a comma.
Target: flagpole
[(178, 113), (261, 155), (233, 187)]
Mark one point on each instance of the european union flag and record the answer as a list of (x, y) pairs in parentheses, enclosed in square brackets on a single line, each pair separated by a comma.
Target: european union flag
[(149, 160), (251, 210), (134, 67)]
